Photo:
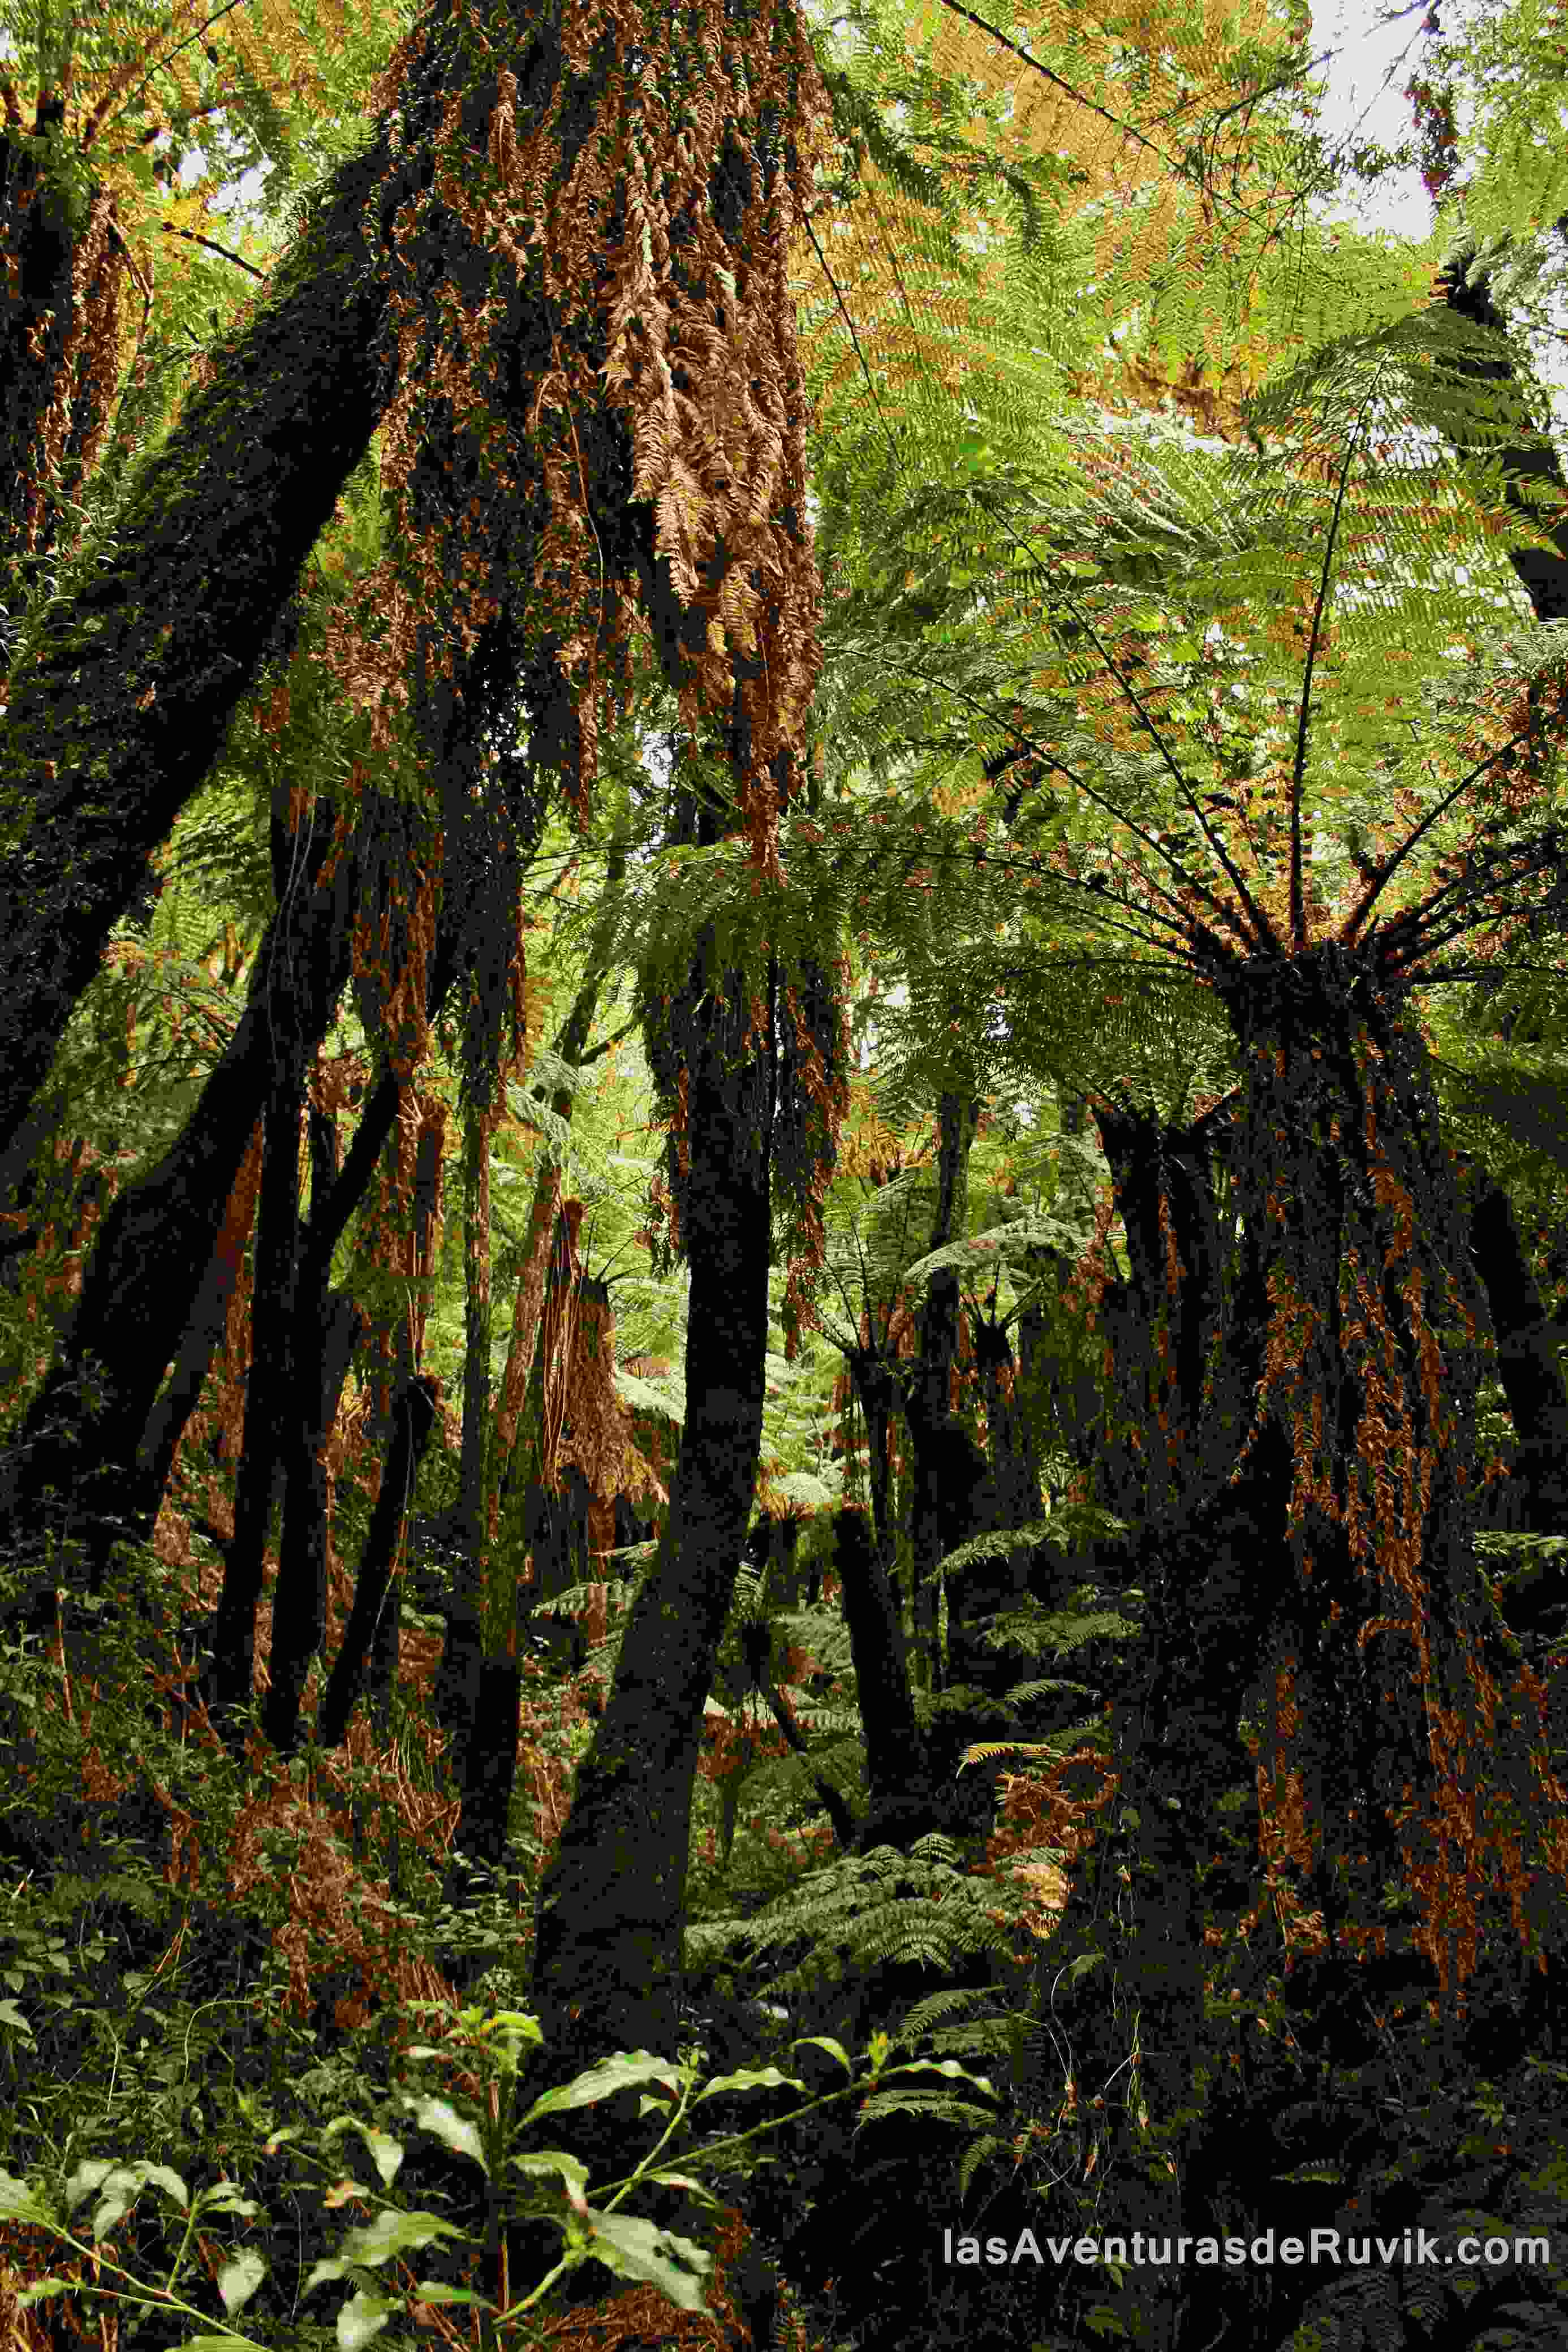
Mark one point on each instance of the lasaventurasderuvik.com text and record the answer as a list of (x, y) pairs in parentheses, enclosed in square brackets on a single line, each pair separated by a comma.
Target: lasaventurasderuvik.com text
[(1322, 2245)]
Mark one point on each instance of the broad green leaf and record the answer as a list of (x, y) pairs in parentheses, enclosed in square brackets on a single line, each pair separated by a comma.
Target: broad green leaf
[(751, 2078), (636, 2249), (601, 2082), (363, 2316), (239, 2279), (386, 2153), (20, 2201), (948, 2066), (826, 2041), (554, 2163), (388, 2234), (441, 2119)]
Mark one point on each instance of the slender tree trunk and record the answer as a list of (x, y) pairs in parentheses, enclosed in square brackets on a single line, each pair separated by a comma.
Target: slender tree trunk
[(833, 1804), (607, 1955), (949, 1469), (90, 1432), (895, 1765), (414, 1417), (487, 1750), (268, 1390), (323, 1342), (876, 1386)]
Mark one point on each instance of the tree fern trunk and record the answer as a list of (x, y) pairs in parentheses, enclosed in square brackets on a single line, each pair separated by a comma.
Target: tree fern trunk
[(414, 1417), (153, 1266), (269, 1387), (949, 1468), (61, 269), (607, 1957), (323, 1350), (120, 699)]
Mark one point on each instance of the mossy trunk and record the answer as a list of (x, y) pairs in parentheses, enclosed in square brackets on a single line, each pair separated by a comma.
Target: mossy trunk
[(1325, 1584), (61, 266), (323, 1342), (120, 698), (607, 1955)]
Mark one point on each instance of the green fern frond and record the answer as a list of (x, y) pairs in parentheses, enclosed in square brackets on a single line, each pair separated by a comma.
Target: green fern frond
[(981, 2150), (1023, 1694), (936, 2106), (940, 2009)]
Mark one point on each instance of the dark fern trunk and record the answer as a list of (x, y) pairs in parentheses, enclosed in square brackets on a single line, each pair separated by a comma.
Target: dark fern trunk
[(895, 1764), (325, 1337), (414, 1417), (157, 1287), (270, 1388), (952, 1498), (607, 1954), (120, 700)]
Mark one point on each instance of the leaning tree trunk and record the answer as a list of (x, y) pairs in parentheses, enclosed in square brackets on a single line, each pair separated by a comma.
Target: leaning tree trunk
[(59, 288), (92, 1434), (607, 1954), (121, 697)]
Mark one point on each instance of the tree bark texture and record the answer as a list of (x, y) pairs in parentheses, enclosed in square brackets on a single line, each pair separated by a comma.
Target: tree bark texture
[(1164, 1194), (321, 1350), (894, 1758), (607, 1954), (57, 318), (269, 1387), (89, 1435), (414, 1418), (119, 698)]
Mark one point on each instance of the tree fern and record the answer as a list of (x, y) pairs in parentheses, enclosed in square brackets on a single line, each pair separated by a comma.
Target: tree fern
[(858, 1913)]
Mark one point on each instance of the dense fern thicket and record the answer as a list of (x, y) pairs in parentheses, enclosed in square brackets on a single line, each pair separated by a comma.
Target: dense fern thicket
[(782, 1255)]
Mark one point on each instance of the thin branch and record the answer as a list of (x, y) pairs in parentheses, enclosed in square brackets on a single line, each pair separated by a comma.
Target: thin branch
[(192, 238), (1384, 873), (855, 342), (1226, 915), (1299, 767), (1264, 936)]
